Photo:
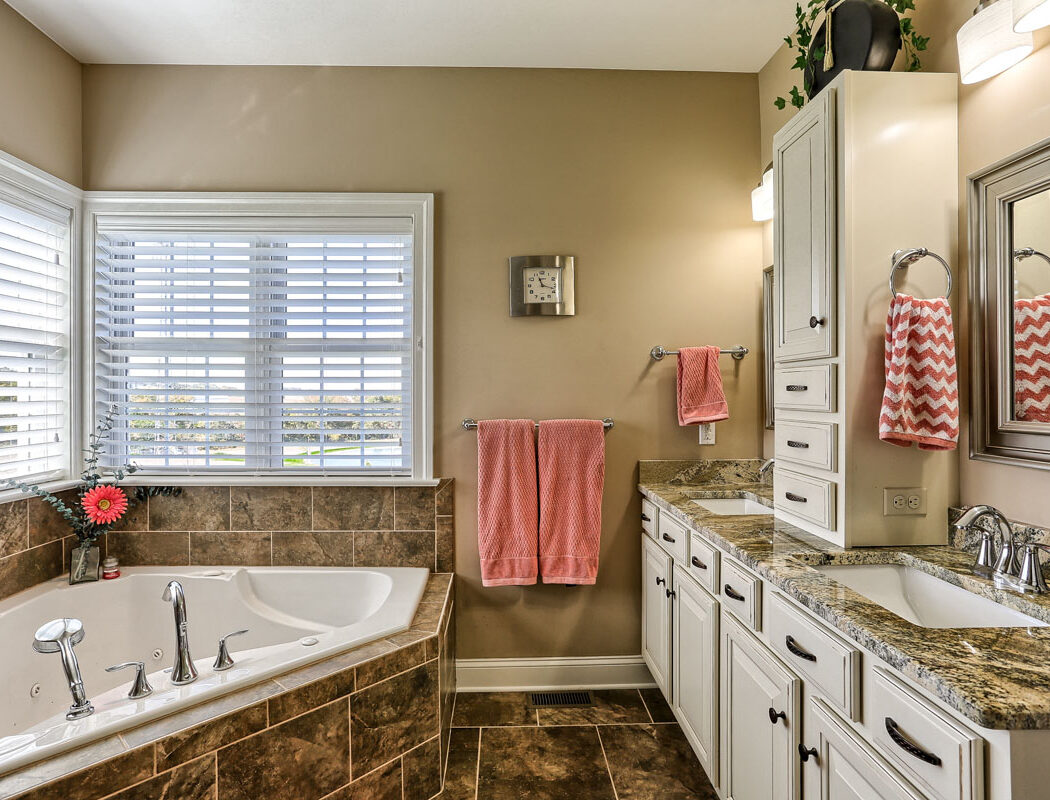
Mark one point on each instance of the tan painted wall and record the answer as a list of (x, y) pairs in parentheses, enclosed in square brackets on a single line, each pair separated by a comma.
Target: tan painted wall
[(644, 176), (996, 118), (39, 99)]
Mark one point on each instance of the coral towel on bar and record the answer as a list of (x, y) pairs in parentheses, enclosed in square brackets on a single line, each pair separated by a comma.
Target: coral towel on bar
[(572, 476), (921, 400), (507, 515), (1032, 359), (700, 395)]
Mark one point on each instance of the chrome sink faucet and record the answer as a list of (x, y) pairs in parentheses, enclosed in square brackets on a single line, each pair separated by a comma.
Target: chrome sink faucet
[(61, 636), (1023, 575), (766, 467), (183, 671)]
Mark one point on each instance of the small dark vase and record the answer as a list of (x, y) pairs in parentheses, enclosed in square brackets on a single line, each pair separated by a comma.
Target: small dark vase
[(866, 35)]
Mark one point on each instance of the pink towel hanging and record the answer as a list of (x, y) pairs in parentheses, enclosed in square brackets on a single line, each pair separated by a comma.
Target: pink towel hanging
[(700, 395), (507, 507), (571, 480), (1032, 359)]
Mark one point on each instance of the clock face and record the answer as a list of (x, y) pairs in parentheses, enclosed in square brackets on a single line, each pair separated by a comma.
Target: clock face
[(542, 285)]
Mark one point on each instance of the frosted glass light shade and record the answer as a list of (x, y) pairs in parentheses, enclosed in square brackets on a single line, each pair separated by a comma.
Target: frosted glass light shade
[(762, 198), (988, 43), (1030, 15)]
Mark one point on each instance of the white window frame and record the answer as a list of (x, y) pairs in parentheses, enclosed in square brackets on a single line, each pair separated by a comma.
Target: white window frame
[(418, 206), (22, 179)]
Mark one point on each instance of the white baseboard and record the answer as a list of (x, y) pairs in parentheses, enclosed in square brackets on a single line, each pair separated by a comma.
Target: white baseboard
[(535, 674)]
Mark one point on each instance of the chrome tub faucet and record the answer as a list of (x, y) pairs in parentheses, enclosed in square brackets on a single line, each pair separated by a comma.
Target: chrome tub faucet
[(183, 671), (61, 636)]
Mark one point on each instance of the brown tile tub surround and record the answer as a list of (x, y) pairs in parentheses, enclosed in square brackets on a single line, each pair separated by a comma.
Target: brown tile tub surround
[(357, 726)]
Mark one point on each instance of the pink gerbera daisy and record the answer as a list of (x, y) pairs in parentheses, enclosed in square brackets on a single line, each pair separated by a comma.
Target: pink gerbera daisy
[(104, 504)]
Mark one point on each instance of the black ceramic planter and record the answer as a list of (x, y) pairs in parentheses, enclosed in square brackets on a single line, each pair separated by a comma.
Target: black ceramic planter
[(866, 35)]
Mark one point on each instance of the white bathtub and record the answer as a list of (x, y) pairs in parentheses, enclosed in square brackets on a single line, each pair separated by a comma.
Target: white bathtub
[(294, 615)]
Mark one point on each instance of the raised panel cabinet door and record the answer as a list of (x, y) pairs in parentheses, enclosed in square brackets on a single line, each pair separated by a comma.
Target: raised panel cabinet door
[(844, 766), (760, 720), (656, 613), (804, 233), (695, 651)]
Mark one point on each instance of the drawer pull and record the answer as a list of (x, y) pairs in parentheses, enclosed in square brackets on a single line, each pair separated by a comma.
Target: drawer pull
[(795, 498), (696, 562), (909, 747), (806, 753), (796, 387), (661, 580), (795, 650), (732, 595), (668, 539), (645, 518), (815, 322), (792, 443), (775, 715)]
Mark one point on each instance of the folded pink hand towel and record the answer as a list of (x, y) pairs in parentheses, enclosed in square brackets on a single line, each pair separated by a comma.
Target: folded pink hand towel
[(507, 511), (1032, 359), (572, 476), (700, 395), (921, 401)]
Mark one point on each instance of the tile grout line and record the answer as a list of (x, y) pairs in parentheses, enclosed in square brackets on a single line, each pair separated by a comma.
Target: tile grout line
[(477, 767), (608, 769), (645, 705)]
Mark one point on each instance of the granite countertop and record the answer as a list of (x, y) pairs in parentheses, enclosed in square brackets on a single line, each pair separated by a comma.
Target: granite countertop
[(997, 677)]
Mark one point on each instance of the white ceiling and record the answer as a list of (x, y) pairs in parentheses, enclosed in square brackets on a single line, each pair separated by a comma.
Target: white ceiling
[(722, 35)]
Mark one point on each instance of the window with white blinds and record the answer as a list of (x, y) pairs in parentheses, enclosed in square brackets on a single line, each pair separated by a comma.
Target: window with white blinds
[(258, 345), (34, 336)]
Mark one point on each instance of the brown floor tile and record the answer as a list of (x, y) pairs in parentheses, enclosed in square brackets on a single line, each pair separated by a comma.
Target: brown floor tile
[(654, 762), (461, 773), (543, 764), (610, 706), (658, 708), (483, 709)]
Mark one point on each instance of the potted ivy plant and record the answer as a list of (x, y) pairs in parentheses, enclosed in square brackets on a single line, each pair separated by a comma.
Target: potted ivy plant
[(851, 34), (101, 503)]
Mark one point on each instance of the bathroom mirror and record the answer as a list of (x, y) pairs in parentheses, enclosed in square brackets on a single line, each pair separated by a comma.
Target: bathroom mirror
[(767, 344), (1010, 309)]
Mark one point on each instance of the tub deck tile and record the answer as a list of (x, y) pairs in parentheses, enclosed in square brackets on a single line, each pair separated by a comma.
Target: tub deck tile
[(400, 660), (311, 695), (330, 666), (211, 735)]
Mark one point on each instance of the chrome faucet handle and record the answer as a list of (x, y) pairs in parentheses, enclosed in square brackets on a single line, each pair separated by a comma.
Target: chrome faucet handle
[(1030, 575), (222, 658), (61, 636), (986, 554), (140, 686)]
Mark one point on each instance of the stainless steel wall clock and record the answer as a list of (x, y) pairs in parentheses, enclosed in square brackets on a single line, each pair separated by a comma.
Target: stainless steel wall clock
[(542, 286)]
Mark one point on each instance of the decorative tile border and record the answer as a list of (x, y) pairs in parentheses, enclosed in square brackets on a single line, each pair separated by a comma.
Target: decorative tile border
[(355, 725)]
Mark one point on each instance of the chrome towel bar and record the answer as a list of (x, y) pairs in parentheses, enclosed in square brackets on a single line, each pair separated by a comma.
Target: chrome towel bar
[(905, 258), (737, 352), (472, 424)]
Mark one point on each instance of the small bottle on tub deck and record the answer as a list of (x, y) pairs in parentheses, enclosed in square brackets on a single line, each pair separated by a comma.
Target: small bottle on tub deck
[(110, 569)]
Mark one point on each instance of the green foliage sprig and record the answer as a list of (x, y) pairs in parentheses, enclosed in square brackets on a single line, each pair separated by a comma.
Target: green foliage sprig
[(802, 39)]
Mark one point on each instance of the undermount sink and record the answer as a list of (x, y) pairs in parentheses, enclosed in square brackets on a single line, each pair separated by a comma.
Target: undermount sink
[(925, 600), (733, 506)]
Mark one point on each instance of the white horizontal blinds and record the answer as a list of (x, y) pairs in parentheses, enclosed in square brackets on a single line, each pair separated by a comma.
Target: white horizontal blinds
[(34, 338), (257, 350)]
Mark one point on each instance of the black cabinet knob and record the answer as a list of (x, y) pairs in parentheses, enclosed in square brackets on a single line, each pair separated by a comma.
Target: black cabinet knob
[(815, 322), (775, 715), (805, 753)]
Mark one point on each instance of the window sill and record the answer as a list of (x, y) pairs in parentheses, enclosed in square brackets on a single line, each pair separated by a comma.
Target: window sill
[(161, 479), (10, 495)]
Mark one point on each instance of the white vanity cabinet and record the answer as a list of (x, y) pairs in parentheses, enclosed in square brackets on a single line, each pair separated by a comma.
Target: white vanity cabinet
[(760, 719), (657, 613), (695, 658)]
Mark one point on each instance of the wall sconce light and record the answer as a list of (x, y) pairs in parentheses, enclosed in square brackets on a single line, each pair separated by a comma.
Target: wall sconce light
[(1030, 15), (988, 43), (762, 197)]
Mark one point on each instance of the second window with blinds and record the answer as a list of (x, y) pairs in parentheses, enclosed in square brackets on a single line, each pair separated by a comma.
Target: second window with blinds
[(263, 334)]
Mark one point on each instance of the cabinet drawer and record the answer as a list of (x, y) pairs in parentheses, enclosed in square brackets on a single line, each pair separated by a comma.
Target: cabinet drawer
[(830, 665), (805, 388), (650, 514), (673, 537), (741, 593), (939, 755), (811, 443), (809, 498), (703, 562)]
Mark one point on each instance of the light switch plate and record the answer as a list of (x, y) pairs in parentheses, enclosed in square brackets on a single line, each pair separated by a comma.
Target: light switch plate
[(905, 502), (707, 433)]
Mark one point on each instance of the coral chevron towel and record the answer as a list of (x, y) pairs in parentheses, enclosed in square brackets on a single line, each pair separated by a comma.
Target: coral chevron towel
[(700, 395), (572, 477), (1032, 359), (921, 401), (507, 509)]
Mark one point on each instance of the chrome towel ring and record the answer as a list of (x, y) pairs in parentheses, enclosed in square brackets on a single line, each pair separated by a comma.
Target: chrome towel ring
[(903, 259), (1027, 252)]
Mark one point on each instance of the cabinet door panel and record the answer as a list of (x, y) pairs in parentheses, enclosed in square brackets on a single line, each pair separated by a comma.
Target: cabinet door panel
[(695, 650), (805, 233), (656, 613), (759, 755)]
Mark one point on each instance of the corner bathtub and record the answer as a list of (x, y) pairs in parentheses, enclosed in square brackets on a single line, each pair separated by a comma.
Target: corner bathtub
[(294, 615)]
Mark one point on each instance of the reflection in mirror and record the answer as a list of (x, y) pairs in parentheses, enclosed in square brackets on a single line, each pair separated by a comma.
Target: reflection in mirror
[(1031, 307)]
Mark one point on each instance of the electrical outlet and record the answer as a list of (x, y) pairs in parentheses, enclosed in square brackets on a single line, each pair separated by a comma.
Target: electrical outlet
[(707, 433), (904, 502)]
